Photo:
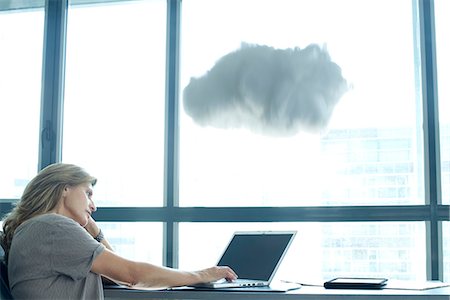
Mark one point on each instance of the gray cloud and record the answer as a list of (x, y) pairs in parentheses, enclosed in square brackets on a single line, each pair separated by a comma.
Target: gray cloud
[(269, 91)]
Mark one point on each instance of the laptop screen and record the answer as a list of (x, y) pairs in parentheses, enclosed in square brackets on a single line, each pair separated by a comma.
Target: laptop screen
[(256, 255)]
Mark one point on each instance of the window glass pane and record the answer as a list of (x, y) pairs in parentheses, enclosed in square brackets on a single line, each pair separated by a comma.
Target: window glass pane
[(244, 135), (138, 241), (446, 252), (321, 250), (442, 13), (114, 99), (21, 40)]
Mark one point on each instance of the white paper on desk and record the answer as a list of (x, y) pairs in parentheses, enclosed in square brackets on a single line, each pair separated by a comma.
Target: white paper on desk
[(129, 287), (414, 285)]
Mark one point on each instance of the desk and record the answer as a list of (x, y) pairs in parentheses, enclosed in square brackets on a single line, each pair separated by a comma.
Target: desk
[(304, 293)]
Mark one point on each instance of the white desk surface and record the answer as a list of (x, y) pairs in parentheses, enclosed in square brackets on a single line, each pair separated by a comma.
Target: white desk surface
[(304, 293)]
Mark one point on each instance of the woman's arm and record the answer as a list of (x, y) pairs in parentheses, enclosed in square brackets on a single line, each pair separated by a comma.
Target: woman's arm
[(139, 274)]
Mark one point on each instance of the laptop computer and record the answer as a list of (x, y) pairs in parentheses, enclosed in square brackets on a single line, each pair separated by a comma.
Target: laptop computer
[(255, 257)]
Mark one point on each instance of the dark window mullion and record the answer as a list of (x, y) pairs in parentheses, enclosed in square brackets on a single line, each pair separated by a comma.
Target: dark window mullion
[(400, 213), (52, 82), (431, 136), (170, 251)]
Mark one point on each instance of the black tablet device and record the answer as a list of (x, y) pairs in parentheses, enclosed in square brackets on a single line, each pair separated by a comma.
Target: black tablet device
[(355, 283)]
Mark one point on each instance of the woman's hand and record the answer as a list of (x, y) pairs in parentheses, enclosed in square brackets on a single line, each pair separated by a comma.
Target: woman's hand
[(92, 227), (216, 273)]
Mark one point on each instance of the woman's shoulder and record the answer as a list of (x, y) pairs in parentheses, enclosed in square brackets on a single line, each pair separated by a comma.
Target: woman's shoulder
[(50, 219), (49, 226)]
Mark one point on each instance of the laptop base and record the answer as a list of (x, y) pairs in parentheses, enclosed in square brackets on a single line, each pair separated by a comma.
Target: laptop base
[(280, 287)]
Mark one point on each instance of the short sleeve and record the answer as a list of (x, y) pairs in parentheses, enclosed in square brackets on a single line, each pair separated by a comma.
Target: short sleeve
[(73, 249)]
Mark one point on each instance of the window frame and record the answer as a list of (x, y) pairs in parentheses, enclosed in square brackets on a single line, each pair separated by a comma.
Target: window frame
[(433, 213)]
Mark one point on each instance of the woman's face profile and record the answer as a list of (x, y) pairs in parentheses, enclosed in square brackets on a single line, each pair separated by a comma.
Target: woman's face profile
[(76, 203)]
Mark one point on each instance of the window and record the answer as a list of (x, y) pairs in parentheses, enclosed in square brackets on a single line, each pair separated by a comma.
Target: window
[(446, 252), (21, 39), (140, 241), (371, 152), (178, 173), (321, 250), (114, 99), (442, 11)]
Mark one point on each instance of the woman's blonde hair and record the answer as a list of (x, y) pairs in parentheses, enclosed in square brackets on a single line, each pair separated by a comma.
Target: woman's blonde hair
[(41, 195)]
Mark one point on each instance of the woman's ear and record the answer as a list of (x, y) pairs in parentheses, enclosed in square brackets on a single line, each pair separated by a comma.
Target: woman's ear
[(65, 191)]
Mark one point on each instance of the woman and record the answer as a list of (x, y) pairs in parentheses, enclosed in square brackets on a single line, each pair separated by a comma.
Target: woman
[(55, 250)]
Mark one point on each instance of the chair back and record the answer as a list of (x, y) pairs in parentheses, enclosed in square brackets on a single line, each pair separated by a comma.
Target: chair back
[(4, 283)]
